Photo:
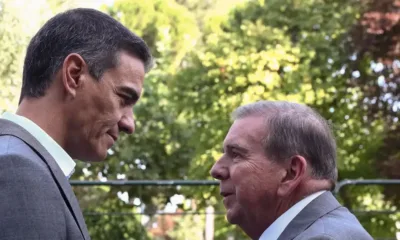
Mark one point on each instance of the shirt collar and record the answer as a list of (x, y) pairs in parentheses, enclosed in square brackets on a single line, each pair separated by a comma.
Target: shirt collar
[(63, 160), (279, 225)]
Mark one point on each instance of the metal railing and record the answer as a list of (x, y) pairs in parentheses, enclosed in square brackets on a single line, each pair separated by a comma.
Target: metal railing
[(336, 191), (344, 183), (145, 183), (339, 187)]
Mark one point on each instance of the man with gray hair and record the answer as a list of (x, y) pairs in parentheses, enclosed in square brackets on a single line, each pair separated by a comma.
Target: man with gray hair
[(276, 173)]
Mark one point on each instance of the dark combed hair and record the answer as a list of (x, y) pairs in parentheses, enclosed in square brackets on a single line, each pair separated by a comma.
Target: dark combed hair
[(95, 36)]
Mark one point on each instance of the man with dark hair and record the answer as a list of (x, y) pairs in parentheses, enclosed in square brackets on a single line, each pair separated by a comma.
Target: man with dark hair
[(83, 73), (276, 173)]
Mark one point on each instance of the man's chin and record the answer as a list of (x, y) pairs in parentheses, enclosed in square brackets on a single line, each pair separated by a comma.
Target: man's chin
[(232, 216), (98, 157)]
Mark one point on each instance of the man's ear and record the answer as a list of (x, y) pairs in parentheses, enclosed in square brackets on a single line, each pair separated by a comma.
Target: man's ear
[(74, 70), (296, 170)]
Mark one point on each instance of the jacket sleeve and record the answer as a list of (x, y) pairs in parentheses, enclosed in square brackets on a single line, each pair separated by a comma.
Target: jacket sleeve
[(31, 206)]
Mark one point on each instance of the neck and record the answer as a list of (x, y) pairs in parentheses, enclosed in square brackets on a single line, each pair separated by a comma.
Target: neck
[(47, 116), (304, 189), (254, 231)]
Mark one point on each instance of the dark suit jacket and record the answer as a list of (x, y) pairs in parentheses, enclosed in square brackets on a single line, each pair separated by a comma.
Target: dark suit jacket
[(36, 199), (324, 218)]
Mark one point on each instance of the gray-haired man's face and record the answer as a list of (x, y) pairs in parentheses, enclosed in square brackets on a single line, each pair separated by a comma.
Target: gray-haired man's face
[(248, 180)]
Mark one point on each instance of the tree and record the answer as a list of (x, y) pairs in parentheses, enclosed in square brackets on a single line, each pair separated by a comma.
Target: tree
[(375, 40), (284, 50), (339, 57), (12, 48)]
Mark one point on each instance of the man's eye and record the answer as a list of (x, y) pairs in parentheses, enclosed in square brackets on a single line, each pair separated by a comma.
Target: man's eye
[(234, 154), (124, 100)]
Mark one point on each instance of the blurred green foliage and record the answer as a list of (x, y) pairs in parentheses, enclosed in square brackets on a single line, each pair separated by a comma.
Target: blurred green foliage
[(212, 56)]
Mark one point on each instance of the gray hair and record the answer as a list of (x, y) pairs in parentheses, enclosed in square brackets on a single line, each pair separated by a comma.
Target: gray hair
[(295, 129)]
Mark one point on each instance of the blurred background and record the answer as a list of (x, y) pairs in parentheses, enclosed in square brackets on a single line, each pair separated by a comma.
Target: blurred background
[(340, 57)]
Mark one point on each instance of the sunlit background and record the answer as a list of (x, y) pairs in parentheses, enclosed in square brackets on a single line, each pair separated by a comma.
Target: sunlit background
[(341, 57)]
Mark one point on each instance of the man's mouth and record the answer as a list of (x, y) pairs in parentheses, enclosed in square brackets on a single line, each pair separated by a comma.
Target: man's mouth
[(113, 137), (225, 194)]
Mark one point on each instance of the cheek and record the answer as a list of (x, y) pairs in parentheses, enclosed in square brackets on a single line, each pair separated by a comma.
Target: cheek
[(244, 178), (253, 183), (104, 100), (106, 113), (97, 126)]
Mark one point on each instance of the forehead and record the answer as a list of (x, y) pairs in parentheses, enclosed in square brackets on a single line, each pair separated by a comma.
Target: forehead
[(129, 72), (247, 132)]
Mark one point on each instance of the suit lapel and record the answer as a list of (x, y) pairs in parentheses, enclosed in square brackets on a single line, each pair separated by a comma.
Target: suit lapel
[(317, 208), (10, 128)]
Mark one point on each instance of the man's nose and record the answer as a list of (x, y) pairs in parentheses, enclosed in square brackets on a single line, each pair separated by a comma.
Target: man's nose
[(219, 171), (127, 123)]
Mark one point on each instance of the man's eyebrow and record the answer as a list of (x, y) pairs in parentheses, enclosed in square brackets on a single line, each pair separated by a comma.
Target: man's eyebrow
[(237, 147), (129, 93)]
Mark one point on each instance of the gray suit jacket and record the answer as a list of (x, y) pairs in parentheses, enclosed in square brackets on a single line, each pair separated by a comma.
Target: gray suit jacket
[(36, 199), (324, 218)]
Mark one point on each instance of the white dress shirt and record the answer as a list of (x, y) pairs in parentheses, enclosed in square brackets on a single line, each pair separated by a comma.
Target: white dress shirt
[(63, 160), (279, 225)]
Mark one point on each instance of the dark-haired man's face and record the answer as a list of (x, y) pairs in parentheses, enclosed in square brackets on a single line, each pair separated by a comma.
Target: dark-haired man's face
[(104, 109)]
